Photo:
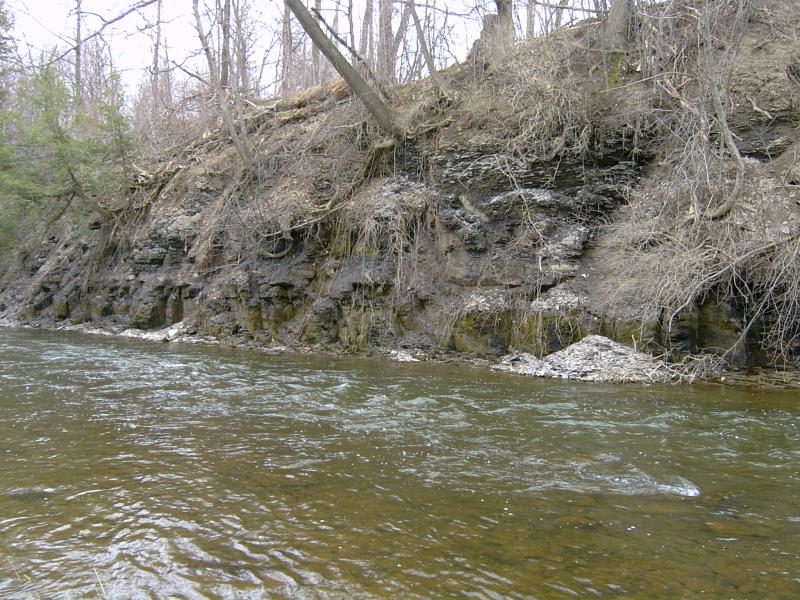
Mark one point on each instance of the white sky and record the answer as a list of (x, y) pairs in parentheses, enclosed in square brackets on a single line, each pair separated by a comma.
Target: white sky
[(40, 24)]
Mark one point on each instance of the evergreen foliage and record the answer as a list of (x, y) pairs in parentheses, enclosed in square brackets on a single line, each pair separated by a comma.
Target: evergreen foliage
[(59, 156)]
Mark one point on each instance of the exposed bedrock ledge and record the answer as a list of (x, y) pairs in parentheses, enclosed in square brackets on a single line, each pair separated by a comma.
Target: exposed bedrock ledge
[(480, 274)]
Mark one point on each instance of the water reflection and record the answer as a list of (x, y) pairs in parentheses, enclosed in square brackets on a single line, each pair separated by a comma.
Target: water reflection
[(162, 471)]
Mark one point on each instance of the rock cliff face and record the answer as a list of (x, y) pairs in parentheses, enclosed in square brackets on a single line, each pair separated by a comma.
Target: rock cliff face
[(471, 238), (472, 260)]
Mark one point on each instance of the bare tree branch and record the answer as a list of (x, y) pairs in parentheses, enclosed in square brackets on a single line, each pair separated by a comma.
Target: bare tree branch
[(438, 80), (106, 22), (241, 145)]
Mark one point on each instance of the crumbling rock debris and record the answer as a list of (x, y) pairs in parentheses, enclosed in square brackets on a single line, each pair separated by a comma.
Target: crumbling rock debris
[(594, 358)]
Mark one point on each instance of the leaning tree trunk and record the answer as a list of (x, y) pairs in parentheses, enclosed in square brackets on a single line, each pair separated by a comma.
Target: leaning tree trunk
[(363, 91)]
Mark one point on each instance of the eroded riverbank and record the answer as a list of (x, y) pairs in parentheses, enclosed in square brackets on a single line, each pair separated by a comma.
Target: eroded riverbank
[(547, 201)]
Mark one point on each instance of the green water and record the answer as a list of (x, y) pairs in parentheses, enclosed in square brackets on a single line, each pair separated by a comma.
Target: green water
[(138, 470)]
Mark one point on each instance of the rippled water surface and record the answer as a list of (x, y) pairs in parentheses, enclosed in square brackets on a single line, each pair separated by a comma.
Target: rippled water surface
[(137, 470)]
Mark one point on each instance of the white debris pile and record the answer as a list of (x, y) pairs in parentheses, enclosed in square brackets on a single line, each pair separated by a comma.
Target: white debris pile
[(594, 358)]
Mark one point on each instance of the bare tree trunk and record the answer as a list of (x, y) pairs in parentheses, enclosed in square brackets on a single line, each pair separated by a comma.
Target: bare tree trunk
[(530, 19), (401, 31), (326, 66), (239, 143), (287, 50), (306, 78), (315, 62), (560, 13), (225, 58), (155, 79), (351, 24), (240, 47), (365, 46), (377, 107), (497, 32), (386, 57), (166, 76), (438, 80), (78, 54), (505, 19), (617, 26)]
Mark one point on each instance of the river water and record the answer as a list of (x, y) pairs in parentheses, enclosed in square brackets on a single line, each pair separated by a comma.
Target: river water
[(131, 469)]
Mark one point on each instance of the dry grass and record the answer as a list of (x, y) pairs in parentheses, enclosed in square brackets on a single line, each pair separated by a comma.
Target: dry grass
[(383, 219), (708, 227), (668, 264)]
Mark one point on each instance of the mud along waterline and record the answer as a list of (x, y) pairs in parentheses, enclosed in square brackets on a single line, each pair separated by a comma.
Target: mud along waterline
[(135, 469)]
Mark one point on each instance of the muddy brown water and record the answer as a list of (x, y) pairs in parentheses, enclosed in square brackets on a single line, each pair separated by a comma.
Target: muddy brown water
[(139, 470)]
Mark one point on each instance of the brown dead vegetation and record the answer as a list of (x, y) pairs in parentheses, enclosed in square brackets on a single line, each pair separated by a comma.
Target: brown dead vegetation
[(712, 225)]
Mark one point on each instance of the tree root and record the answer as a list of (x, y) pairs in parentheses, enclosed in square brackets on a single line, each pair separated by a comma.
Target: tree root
[(425, 128), (285, 251)]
